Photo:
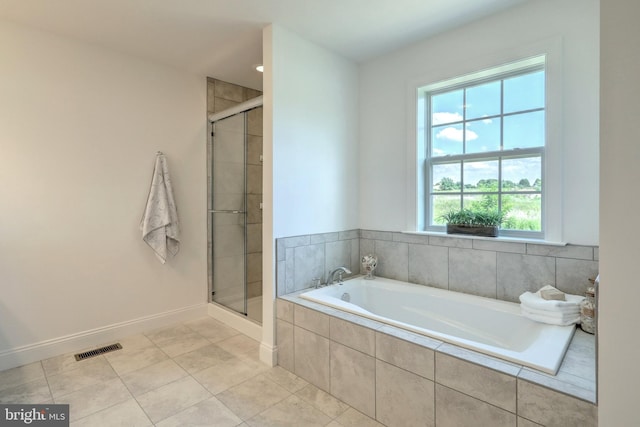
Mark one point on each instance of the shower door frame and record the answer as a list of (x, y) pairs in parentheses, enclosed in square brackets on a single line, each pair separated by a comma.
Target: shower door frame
[(242, 108)]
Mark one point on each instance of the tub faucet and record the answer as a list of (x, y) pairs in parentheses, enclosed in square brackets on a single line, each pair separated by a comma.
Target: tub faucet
[(340, 271)]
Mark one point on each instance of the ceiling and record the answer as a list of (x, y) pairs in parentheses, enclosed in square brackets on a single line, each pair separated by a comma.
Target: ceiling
[(223, 38)]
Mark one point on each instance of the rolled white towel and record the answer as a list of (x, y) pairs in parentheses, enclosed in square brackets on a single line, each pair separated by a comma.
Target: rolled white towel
[(552, 321), (534, 300)]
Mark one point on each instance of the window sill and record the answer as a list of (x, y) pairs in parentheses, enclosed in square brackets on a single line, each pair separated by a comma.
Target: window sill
[(493, 239)]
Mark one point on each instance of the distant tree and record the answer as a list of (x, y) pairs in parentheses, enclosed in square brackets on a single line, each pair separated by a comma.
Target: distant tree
[(447, 184), (537, 183), (508, 184), (524, 183), (488, 184)]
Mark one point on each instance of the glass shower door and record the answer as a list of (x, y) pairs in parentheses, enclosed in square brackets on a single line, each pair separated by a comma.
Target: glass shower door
[(228, 213)]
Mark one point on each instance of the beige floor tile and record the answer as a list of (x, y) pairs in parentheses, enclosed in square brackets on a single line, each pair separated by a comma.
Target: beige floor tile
[(131, 360), (211, 329), (203, 358), (323, 401), (183, 344), (21, 375), (210, 412), (172, 398), (67, 362), (240, 344), (125, 414), (353, 418), (167, 334), (154, 376), (252, 396), (228, 374), (135, 342), (286, 379), (36, 391), (92, 399), (291, 412), (91, 374)]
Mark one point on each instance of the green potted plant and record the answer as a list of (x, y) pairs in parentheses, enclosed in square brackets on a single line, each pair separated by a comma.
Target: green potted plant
[(473, 222)]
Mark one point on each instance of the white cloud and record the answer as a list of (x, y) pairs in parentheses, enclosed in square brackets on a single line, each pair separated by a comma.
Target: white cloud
[(487, 121), (454, 134), (442, 118)]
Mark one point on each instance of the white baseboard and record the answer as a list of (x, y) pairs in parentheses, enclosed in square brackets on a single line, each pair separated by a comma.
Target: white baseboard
[(95, 337), (269, 354), (236, 321)]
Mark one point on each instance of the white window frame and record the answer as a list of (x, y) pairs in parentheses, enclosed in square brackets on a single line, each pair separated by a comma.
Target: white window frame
[(491, 64)]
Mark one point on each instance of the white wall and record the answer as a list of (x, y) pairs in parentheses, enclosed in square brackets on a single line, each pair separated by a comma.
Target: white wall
[(79, 129), (315, 137), (384, 100), (618, 347)]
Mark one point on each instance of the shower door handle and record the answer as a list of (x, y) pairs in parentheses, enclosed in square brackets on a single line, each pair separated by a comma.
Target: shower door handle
[(226, 211)]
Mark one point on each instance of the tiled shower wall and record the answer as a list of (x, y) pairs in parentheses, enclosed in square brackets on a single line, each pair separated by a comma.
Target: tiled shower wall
[(494, 269), (220, 96)]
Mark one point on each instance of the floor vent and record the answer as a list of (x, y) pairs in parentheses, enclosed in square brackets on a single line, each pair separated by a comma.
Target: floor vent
[(98, 351)]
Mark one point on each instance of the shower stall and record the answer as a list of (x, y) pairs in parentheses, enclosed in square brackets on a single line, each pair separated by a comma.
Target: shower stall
[(235, 208)]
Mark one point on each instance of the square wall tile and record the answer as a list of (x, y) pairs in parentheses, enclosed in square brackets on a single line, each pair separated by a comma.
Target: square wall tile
[(476, 381), (284, 310), (403, 399), (572, 275), (311, 320), (393, 260), (551, 408), (454, 409), (284, 341), (353, 336), (405, 355), (520, 273), (353, 378), (308, 264), (472, 272), (311, 357), (338, 254), (429, 265)]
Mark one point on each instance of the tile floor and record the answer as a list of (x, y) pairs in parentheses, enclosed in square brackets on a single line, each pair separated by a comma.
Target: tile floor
[(198, 373)]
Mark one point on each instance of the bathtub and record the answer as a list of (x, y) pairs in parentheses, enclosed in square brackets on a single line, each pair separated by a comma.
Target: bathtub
[(485, 325)]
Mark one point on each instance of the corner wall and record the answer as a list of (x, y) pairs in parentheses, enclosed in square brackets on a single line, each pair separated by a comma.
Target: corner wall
[(79, 129), (618, 349), (310, 143)]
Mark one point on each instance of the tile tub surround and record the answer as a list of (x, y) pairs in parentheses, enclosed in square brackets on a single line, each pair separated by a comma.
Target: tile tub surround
[(483, 267), (300, 259), (402, 378)]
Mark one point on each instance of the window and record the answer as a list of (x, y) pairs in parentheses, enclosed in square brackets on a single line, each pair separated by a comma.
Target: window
[(483, 143)]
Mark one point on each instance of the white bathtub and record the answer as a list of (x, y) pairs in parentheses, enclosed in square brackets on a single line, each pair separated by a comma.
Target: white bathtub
[(486, 325)]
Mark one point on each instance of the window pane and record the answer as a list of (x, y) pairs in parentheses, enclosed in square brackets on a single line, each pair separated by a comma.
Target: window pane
[(524, 130), (446, 177), (524, 92), (480, 176), (446, 107), (522, 174), (481, 202), (446, 140), (483, 100), (483, 135), (441, 205), (523, 212)]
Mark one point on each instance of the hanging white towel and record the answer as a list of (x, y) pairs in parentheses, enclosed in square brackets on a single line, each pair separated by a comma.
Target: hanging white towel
[(159, 224)]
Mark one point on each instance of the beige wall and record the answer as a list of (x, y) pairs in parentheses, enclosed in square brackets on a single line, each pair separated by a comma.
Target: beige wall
[(619, 350), (79, 130)]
